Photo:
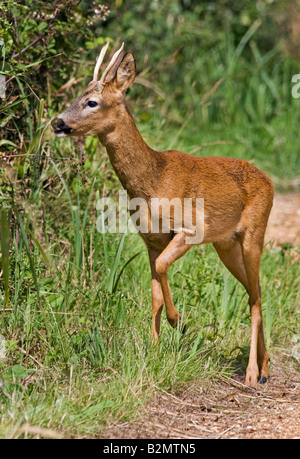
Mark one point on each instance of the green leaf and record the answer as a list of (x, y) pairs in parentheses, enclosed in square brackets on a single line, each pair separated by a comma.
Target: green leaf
[(4, 121), (25, 239), (12, 105), (98, 407), (42, 26), (7, 142), (19, 372), (40, 248), (4, 236), (112, 275), (122, 269)]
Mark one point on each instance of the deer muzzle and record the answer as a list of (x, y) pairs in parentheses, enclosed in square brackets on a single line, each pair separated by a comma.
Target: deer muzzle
[(60, 128)]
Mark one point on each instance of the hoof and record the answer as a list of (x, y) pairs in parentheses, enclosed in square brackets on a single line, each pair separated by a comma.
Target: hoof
[(183, 330), (262, 380)]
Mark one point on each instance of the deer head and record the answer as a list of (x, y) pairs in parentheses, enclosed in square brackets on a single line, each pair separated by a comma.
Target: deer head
[(99, 108)]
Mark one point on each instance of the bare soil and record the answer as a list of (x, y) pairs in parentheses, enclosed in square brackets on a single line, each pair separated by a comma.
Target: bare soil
[(223, 409), (284, 221), (227, 408)]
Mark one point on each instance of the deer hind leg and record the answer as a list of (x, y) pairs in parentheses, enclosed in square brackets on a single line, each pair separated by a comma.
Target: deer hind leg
[(230, 253), (257, 369), (157, 296), (242, 259), (174, 250)]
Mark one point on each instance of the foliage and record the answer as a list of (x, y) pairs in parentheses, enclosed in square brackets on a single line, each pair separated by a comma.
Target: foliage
[(214, 79), (37, 38)]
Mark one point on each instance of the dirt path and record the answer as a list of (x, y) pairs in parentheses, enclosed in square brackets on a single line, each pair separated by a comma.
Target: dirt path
[(284, 221), (228, 409)]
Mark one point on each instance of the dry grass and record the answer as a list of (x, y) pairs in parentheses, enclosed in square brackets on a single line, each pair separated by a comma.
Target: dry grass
[(223, 409)]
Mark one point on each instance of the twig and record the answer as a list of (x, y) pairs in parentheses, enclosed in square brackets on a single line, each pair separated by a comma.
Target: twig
[(224, 431), (38, 38), (68, 85), (201, 427), (152, 86), (40, 431), (57, 312), (200, 407), (210, 144), (271, 399), (6, 155), (173, 430), (28, 355), (213, 89), (26, 47)]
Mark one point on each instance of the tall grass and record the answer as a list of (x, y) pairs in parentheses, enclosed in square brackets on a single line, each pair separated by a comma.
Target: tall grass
[(76, 304), (84, 359), (236, 105)]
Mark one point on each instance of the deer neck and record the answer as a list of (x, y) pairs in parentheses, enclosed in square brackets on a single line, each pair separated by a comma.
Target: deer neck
[(133, 161)]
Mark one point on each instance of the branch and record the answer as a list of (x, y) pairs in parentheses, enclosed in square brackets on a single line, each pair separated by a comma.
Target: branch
[(39, 37)]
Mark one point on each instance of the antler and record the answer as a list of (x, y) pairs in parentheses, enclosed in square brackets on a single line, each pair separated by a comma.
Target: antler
[(99, 61), (113, 60)]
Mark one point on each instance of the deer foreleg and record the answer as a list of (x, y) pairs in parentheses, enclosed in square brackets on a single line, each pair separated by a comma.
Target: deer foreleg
[(157, 297), (174, 250)]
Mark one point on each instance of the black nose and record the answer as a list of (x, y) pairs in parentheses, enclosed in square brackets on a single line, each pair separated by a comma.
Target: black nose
[(58, 125)]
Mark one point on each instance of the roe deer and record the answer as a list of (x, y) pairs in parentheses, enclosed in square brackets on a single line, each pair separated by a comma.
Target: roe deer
[(237, 196)]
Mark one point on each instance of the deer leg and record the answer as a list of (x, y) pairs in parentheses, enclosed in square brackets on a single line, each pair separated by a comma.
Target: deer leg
[(157, 297), (262, 356), (174, 250), (257, 368), (230, 253)]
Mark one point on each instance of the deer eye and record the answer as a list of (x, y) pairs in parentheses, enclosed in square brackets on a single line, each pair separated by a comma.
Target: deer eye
[(92, 103)]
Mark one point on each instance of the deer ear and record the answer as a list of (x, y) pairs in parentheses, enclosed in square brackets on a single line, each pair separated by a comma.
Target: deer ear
[(126, 72)]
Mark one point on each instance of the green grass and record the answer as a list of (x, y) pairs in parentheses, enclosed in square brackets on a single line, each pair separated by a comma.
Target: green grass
[(76, 311), (76, 304), (79, 357)]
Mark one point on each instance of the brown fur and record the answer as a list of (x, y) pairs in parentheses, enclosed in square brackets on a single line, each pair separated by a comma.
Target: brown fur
[(237, 200)]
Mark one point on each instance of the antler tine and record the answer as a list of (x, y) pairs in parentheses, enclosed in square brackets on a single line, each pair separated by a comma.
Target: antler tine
[(113, 60), (99, 61)]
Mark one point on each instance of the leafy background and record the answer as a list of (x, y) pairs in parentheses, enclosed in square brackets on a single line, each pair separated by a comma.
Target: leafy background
[(214, 78)]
